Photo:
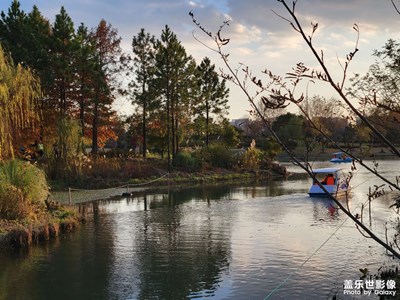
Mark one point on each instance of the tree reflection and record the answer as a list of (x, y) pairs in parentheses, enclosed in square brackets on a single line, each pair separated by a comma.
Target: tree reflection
[(180, 250)]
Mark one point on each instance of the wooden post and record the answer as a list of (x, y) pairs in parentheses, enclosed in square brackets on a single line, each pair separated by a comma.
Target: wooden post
[(69, 194)]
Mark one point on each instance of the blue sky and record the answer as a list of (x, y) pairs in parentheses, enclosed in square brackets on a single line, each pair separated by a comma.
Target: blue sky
[(259, 38)]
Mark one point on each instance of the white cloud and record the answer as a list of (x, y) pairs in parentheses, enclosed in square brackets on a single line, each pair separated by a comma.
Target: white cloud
[(259, 36)]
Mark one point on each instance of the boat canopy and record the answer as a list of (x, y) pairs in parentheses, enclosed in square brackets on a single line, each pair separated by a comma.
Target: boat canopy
[(326, 170), (338, 153)]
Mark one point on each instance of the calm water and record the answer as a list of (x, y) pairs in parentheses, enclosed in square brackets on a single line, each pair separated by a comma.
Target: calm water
[(225, 242)]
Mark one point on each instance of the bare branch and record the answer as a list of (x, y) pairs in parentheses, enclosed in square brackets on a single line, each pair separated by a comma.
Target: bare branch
[(281, 98), (395, 7)]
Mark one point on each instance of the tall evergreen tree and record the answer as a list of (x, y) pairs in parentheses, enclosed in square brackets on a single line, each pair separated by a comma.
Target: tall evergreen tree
[(13, 27), (86, 67), (143, 47), (60, 102), (63, 49), (213, 95), (172, 64), (38, 55)]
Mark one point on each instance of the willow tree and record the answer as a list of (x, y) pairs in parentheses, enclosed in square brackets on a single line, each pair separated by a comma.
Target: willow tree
[(18, 90)]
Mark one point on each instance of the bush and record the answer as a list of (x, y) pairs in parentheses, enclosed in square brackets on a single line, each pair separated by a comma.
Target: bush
[(251, 159), (217, 155), (185, 159), (12, 203), (23, 189)]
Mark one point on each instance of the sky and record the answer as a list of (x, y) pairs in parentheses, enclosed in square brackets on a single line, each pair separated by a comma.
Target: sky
[(260, 37)]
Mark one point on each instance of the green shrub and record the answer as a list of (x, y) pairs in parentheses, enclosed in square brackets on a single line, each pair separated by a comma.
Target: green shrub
[(217, 155), (23, 189), (185, 159), (271, 148), (12, 203)]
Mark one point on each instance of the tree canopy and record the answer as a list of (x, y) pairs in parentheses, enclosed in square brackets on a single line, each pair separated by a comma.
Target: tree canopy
[(19, 92)]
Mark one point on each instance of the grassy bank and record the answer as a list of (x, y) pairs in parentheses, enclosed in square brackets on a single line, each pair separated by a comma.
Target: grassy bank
[(27, 216), (24, 233), (103, 173)]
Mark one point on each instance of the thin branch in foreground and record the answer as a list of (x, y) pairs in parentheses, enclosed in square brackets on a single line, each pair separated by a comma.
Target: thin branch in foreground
[(305, 166)]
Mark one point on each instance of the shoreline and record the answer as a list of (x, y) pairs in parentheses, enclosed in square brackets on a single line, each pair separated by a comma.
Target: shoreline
[(25, 233), (22, 233), (176, 180)]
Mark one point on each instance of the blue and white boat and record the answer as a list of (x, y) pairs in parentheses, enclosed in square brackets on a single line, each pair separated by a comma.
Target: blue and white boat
[(340, 157), (330, 178)]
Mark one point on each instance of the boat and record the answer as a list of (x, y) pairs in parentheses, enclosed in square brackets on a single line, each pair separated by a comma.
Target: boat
[(340, 157), (330, 178)]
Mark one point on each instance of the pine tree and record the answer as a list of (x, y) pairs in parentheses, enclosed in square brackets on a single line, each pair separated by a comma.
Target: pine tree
[(143, 47), (213, 95), (172, 83), (85, 68), (63, 48), (13, 27), (38, 55)]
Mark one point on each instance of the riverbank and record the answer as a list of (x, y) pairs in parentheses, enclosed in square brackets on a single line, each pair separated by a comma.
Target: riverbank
[(22, 233), (57, 217), (174, 180), (27, 214), (154, 172)]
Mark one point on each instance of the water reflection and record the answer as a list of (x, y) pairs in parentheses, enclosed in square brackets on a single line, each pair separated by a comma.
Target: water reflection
[(227, 242)]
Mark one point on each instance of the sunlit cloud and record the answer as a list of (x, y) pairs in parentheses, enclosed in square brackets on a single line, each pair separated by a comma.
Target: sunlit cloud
[(259, 32)]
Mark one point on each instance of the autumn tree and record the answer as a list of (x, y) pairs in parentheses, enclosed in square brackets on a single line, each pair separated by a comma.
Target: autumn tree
[(108, 51)]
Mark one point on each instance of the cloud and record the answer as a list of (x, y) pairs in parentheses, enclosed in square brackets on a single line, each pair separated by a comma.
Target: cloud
[(259, 32)]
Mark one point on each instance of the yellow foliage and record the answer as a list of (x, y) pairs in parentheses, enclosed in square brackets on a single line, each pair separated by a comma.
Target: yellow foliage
[(19, 89)]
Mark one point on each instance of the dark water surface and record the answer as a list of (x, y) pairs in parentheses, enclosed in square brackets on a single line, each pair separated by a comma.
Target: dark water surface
[(268, 241)]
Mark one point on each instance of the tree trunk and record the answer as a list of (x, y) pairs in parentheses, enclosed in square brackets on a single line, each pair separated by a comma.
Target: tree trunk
[(168, 133), (144, 148), (207, 124), (95, 148), (173, 132), (176, 135)]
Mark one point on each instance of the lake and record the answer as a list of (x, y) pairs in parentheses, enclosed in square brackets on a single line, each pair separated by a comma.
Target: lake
[(263, 241)]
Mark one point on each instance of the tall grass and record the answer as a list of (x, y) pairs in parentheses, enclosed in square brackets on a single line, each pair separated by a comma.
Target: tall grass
[(23, 189)]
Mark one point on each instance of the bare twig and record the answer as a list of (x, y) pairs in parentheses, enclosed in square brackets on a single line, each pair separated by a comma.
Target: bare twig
[(233, 76), (395, 7)]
